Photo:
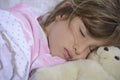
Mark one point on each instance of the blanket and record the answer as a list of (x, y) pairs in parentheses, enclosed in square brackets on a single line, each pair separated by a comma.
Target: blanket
[(23, 44)]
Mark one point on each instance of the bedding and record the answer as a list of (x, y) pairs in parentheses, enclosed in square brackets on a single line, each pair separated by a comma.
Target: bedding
[(18, 33), (41, 6)]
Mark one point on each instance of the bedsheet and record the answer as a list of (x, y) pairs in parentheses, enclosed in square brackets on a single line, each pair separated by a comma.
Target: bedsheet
[(42, 6), (23, 45)]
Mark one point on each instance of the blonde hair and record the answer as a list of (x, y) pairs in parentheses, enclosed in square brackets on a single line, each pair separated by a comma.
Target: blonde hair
[(101, 17)]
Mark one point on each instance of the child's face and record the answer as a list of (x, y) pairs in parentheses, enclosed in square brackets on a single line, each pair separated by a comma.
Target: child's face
[(70, 42)]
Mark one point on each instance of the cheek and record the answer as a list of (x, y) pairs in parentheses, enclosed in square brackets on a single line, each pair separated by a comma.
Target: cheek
[(63, 36), (62, 39), (59, 41)]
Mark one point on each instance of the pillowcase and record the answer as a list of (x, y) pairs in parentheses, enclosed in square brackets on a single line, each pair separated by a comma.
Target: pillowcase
[(41, 6)]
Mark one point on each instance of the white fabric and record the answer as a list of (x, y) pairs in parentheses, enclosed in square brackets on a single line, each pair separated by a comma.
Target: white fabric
[(14, 51), (43, 5)]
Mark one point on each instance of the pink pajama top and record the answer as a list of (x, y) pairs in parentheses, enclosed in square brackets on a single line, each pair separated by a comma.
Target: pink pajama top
[(23, 44)]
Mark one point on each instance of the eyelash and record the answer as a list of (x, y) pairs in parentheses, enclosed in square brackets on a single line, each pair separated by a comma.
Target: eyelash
[(82, 33)]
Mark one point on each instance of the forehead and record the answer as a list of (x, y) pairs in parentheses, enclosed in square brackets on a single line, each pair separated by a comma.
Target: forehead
[(78, 23)]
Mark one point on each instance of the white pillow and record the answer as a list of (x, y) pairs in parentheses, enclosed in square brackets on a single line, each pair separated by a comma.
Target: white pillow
[(43, 6)]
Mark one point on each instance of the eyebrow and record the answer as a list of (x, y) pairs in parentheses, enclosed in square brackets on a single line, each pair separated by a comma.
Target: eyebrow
[(82, 33)]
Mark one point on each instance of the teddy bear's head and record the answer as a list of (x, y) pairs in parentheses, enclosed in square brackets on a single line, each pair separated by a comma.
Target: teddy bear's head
[(109, 58)]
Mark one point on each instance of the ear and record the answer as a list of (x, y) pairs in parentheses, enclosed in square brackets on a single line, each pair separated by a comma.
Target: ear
[(60, 17), (66, 3)]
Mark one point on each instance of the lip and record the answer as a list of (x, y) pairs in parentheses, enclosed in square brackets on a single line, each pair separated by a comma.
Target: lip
[(67, 54)]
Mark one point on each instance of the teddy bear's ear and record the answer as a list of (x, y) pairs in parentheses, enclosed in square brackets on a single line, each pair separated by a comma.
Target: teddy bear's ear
[(106, 48)]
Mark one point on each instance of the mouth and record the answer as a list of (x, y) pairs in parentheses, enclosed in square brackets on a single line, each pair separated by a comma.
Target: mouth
[(67, 54)]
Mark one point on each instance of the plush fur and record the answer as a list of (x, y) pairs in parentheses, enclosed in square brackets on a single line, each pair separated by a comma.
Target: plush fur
[(104, 64)]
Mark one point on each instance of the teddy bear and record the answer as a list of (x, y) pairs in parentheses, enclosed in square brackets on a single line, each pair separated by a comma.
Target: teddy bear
[(103, 64)]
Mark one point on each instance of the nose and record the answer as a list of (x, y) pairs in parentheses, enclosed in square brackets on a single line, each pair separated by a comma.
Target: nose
[(81, 50)]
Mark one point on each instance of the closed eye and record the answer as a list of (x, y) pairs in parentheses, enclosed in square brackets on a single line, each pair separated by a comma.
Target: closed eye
[(82, 33)]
